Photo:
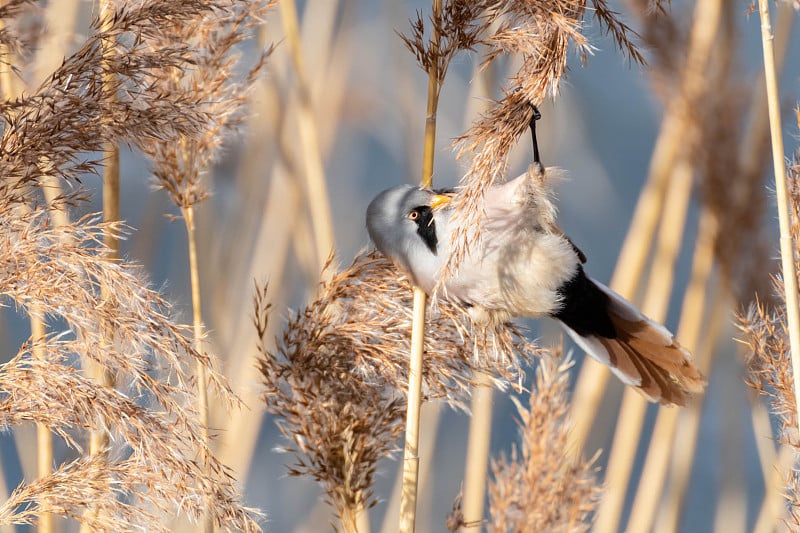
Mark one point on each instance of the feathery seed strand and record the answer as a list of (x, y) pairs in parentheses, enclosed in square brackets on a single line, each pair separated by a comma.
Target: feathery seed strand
[(781, 191)]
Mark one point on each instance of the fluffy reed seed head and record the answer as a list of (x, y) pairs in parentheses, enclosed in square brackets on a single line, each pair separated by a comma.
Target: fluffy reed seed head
[(540, 34), (210, 74), (541, 485), (766, 334), (338, 377), (159, 464)]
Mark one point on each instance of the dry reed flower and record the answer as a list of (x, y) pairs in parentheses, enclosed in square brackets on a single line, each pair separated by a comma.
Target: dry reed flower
[(739, 203), (540, 34), (542, 486), (58, 271), (459, 25), (769, 362), (19, 30), (727, 152), (159, 467), (62, 118), (66, 490), (161, 464), (210, 74), (665, 40), (770, 375), (338, 377), (178, 166)]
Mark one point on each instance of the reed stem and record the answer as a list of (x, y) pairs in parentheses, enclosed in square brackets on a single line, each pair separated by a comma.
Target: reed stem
[(654, 472), (480, 424), (197, 324), (429, 423), (316, 187), (773, 508), (782, 194), (480, 430), (632, 411), (44, 439), (671, 142), (408, 501), (51, 188), (688, 430), (99, 437)]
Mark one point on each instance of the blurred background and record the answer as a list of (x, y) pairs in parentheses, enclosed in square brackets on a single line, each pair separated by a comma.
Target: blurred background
[(361, 129)]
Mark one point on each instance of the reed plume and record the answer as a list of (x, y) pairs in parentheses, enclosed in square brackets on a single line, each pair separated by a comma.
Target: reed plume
[(159, 464), (539, 486), (178, 167), (338, 377), (766, 334), (539, 34), (210, 74)]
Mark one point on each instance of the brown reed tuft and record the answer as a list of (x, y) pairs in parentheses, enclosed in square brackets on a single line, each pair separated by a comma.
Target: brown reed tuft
[(178, 167), (540, 34), (728, 162), (765, 332), (338, 377), (150, 355), (61, 118), (20, 30), (159, 464), (541, 486), (210, 74), (161, 467)]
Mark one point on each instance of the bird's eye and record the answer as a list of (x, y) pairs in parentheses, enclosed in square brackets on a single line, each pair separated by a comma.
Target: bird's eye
[(413, 215)]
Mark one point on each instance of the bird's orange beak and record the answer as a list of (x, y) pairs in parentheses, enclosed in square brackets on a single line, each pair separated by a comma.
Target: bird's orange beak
[(440, 200)]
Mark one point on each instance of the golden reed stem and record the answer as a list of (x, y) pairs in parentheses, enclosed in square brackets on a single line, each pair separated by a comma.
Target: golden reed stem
[(408, 501), (782, 194)]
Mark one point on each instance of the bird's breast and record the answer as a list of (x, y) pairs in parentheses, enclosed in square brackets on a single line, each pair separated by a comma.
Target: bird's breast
[(517, 275)]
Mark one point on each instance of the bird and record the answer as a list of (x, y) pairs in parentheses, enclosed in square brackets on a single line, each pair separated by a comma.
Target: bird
[(523, 265)]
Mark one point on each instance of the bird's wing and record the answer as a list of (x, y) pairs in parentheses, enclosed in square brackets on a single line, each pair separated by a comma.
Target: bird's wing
[(641, 352)]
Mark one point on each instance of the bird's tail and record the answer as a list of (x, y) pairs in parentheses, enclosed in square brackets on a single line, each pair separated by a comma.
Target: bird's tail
[(642, 353)]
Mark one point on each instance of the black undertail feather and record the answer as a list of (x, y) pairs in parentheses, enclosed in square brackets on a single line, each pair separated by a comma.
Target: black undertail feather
[(585, 308), (426, 227)]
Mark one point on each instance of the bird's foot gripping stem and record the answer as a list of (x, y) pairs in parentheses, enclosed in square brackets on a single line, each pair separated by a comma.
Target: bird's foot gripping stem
[(537, 162)]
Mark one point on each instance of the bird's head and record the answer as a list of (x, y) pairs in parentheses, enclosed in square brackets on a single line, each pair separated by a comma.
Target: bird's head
[(401, 221)]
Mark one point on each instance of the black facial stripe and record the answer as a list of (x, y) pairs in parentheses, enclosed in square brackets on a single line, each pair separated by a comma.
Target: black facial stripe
[(426, 227), (584, 307)]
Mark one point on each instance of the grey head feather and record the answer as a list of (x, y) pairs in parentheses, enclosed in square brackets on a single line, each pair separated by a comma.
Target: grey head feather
[(398, 237)]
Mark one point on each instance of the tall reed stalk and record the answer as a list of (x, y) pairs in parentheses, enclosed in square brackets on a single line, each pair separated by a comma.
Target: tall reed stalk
[(100, 437), (670, 146), (408, 501), (781, 191), (651, 482), (633, 408), (480, 424), (44, 439), (197, 329), (429, 422), (316, 188), (478, 440)]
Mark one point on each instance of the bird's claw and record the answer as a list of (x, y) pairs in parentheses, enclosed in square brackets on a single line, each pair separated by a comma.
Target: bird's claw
[(536, 116)]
